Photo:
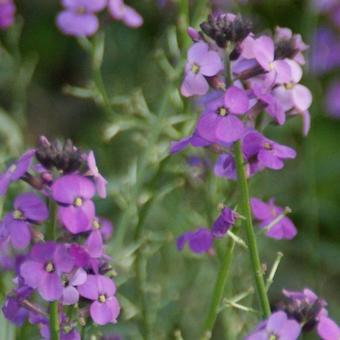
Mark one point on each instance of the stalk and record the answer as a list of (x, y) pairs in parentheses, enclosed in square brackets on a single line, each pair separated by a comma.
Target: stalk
[(51, 235), (218, 289), (251, 239)]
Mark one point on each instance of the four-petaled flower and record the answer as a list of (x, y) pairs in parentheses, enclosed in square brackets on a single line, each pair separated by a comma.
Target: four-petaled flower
[(199, 241), (128, 15)]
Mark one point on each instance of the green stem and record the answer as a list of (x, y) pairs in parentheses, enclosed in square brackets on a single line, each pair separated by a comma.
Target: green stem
[(218, 289), (252, 244), (51, 235)]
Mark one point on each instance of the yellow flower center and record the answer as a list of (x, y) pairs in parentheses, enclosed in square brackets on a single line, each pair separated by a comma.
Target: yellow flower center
[(17, 214), (12, 168), (289, 86), (78, 202), (195, 68), (267, 146), (222, 111), (80, 10), (96, 225), (271, 66), (272, 337), (102, 298), (49, 267)]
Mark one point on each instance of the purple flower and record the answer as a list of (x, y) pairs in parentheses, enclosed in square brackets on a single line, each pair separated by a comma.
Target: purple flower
[(223, 223), (219, 122), (332, 99), (194, 140), (199, 241), (202, 62), (100, 289), (44, 267), (28, 208), (79, 19), (128, 15), (267, 153), (16, 170), (267, 213), (277, 326), (99, 180), (7, 12), (73, 194), (328, 329), (264, 52), (70, 294)]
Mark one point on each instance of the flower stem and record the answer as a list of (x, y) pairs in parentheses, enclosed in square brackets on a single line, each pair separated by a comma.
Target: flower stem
[(251, 239), (218, 289), (51, 235)]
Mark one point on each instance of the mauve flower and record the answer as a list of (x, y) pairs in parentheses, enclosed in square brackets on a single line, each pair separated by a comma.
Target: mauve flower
[(7, 13), (99, 180), (332, 99), (223, 223), (199, 241), (267, 153), (128, 15), (202, 62), (219, 122), (194, 140), (79, 18), (44, 267), (266, 213), (28, 208), (105, 307), (264, 52), (73, 194), (277, 327), (70, 294), (16, 170), (328, 329)]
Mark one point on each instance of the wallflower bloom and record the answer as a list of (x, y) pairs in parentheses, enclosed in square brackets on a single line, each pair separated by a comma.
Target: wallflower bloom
[(79, 17), (73, 193), (219, 122), (7, 12), (267, 153), (43, 269), (70, 294), (16, 170), (202, 62), (128, 15), (224, 222), (278, 326), (28, 208), (199, 241), (105, 307), (267, 213)]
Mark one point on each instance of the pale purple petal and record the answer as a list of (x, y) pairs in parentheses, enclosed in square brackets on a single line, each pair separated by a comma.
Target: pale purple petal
[(63, 261), (200, 241), (29, 267), (179, 145), (32, 206), (78, 25), (236, 100), (22, 164), (70, 295), (268, 159), (101, 183), (50, 287), (79, 277), (101, 313), (105, 285), (260, 210), (197, 51), (276, 321), (264, 51), (20, 234), (211, 64), (132, 18), (302, 97), (115, 308), (283, 72), (194, 85), (94, 244), (328, 329), (283, 151), (207, 124), (43, 252), (229, 129), (88, 6), (291, 330), (89, 289)]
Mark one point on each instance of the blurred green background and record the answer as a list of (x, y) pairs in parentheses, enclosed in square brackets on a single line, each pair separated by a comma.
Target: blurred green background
[(132, 142)]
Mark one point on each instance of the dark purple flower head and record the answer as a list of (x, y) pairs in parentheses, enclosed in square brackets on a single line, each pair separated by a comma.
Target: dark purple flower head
[(44, 267), (219, 123), (305, 307), (277, 327), (99, 180), (199, 241), (100, 289), (202, 62), (122, 12), (327, 329), (267, 153), (73, 193), (79, 17), (224, 222), (267, 214), (28, 208), (16, 170), (7, 13)]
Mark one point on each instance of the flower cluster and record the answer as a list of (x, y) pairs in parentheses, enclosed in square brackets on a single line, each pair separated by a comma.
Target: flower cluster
[(299, 312), (79, 17), (245, 82), (7, 13), (53, 241)]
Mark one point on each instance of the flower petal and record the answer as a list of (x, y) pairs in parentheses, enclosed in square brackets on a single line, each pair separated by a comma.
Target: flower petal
[(229, 129)]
